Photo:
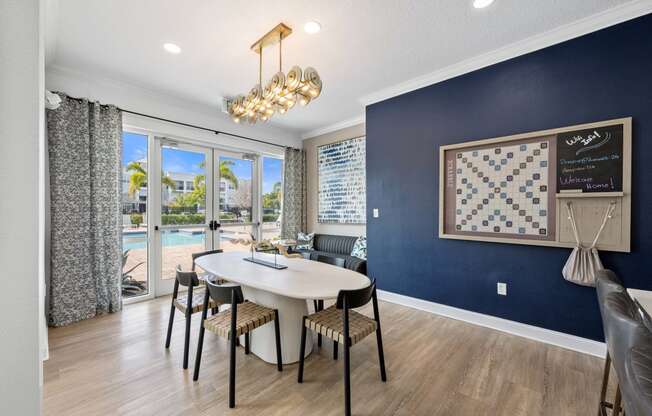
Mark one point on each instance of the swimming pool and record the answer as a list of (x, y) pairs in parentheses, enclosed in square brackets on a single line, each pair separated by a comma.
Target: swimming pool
[(134, 241)]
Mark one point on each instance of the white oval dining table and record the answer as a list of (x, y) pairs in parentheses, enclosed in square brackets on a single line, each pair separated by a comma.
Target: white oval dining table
[(287, 290)]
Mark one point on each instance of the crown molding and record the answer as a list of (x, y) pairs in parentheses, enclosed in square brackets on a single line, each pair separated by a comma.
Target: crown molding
[(560, 34), (333, 127)]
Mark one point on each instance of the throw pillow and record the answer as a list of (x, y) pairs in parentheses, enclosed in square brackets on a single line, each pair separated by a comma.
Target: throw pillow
[(360, 248), (305, 241)]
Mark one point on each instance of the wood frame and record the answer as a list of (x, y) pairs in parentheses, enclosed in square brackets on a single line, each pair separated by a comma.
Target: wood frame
[(623, 198)]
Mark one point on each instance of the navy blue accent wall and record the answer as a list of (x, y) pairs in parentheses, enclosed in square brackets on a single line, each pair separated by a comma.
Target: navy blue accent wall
[(600, 76)]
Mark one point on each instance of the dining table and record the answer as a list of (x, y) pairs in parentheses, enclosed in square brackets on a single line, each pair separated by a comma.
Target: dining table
[(288, 290)]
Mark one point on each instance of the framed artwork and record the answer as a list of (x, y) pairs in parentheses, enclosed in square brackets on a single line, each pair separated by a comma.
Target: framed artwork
[(342, 182), (515, 189)]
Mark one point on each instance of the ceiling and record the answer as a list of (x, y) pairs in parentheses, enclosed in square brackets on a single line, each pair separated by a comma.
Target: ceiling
[(364, 45)]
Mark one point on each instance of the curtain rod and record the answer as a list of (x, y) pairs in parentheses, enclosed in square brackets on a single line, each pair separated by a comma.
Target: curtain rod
[(167, 120), (204, 128)]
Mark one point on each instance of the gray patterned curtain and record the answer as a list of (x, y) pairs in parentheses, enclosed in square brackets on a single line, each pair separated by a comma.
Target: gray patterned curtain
[(84, 144), (294, 194)]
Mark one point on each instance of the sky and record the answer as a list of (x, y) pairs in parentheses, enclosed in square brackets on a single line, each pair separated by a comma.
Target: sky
[(134, 147)]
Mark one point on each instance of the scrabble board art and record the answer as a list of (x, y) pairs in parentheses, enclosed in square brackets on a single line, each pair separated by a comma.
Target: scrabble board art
[(524, 188), (503, 189)]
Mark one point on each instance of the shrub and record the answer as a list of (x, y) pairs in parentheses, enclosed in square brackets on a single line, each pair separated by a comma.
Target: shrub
[(136, 219), (270, 217), (182, 219), (228, 216)]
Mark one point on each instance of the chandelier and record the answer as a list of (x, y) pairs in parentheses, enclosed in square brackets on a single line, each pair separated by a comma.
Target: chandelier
[(280, 93)]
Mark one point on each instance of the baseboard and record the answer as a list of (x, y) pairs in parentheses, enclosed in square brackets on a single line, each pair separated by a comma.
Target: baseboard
[(559, 339)]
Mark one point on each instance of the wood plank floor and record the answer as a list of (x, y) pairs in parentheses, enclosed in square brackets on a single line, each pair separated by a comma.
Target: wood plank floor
[(117, 365)]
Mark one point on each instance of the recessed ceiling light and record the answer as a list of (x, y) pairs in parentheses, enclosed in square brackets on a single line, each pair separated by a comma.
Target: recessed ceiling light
[(172, 48), (481, 4), (312, 27)]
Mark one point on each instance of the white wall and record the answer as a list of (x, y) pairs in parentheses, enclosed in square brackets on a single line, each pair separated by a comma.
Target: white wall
[(21, 55), (133, 97), (310, 145)]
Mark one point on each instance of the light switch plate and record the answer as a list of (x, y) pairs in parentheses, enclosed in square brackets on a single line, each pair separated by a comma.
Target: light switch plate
[(502, 289), (376, 213)]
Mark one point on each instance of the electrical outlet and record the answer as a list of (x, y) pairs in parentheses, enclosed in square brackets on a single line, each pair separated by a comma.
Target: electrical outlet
[(376, 213), (502, 289)]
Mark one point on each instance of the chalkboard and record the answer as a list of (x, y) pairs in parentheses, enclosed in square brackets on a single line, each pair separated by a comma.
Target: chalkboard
[(590, 160)]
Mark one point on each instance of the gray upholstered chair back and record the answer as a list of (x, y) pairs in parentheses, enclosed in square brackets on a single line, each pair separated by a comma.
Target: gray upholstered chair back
[(638, 400), (339, 244), (625, 330), (607, 282)]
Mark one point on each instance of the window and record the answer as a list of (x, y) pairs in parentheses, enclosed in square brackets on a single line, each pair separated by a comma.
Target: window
[(272, 197)]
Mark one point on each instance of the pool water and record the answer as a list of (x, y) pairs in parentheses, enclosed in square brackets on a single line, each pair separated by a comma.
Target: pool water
[(134, 241)]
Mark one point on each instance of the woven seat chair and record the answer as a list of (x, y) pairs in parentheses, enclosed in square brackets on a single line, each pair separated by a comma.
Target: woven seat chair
[(346, 327), (319, 303), (242, 318), (188, 303)]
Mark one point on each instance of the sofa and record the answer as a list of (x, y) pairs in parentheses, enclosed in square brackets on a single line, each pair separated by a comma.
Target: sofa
[(336, 246)]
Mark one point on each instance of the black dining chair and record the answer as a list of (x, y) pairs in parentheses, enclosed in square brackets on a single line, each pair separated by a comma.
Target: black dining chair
[(188, 303), (203, 275), (242, 318), (347, 327), (319, 303)]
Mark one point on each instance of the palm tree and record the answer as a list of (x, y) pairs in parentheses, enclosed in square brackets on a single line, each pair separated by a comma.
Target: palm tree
[(138, 178), (225, 173)]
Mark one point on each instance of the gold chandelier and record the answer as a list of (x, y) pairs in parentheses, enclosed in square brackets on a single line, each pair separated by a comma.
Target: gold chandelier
[(282, 92)]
